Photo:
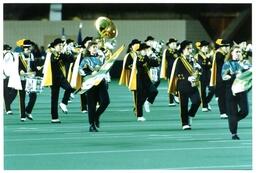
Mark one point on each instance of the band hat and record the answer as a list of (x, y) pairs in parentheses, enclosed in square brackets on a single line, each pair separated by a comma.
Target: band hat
[(198, 44), (86, 39), (220, 42), (7, 47), (69, 41), (19, 43), (149, 38), (143, 46), (204, 43), (27, 43), (184, 44), (135, 41), (171, 40), (56, 41)]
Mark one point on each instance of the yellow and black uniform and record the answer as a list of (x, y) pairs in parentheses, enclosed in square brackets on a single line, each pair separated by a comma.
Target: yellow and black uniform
[(179, 81), (168, 59), (144, 88), (206, 65), (219, 84), (59, 80)]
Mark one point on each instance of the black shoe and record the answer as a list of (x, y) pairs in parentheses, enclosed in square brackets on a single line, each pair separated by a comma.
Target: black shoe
[(93, 129), (235, 137)]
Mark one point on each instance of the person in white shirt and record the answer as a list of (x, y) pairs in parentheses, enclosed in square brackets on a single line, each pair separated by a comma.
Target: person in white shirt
[(9, 93)]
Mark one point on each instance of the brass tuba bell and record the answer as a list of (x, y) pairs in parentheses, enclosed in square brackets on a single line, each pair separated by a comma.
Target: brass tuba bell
[(106, 28)]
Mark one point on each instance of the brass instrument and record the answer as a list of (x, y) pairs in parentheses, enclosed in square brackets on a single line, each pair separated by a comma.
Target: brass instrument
[(106, 28), (196, 74)]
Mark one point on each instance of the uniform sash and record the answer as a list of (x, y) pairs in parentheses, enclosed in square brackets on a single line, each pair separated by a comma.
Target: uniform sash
[(125, 75), (133, 78), (47, 71), (76, 78), (163, 66)]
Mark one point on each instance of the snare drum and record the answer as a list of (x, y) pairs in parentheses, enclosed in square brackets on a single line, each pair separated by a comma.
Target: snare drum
[(34, 84)]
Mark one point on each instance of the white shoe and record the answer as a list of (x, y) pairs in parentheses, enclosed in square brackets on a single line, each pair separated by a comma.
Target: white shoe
[(141, 119), (223, 116), (56, 121), (9, 113), (147, 106), (205, 109), (176, 99), (23, 119), (186, 127), (63, 108), (172, 104), (84, 111), (72, 95), (29, 116), (216, 98)]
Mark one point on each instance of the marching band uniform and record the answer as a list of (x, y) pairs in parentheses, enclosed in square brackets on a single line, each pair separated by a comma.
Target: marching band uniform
[(140, 81), (182, 77), (55, 76), (169, 56), (156, 53), (231, 68), (83, 97), (26, 65), (216, 79), (205, 62), (9, 93), (99, 93)]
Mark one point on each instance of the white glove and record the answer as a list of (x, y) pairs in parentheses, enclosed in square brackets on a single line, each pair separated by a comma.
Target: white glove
[(191, 78), (226, 77), (197, 66), (81, 72)]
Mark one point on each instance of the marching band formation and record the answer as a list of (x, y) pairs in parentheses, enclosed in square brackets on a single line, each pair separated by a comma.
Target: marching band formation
[(195, 73)]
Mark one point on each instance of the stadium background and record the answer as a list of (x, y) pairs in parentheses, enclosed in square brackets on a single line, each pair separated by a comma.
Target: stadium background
[(44, 22)]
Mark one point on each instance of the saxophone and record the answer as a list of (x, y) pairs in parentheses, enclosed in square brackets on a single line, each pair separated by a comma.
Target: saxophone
[(196, 73)]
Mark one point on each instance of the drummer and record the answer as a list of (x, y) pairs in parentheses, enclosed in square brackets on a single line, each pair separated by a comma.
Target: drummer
[(27, 69)]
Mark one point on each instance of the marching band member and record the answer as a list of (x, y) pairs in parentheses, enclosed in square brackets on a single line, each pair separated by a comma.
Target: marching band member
[(140, 81), (126, 78), (185, 80), (55, 77), (8, 63), (127, 65), (83, 97), (169, 56), (232, 68), (91, 63), (26, 68), (222, 50), (204, 60), (156, 53), (69, 50)]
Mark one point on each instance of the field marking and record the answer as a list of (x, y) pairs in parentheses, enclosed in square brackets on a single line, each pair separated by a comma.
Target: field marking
[(121, 151), (212, 167), (124, 135)]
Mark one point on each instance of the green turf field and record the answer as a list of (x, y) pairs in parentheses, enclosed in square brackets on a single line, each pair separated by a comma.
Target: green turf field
[(124, 143)]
